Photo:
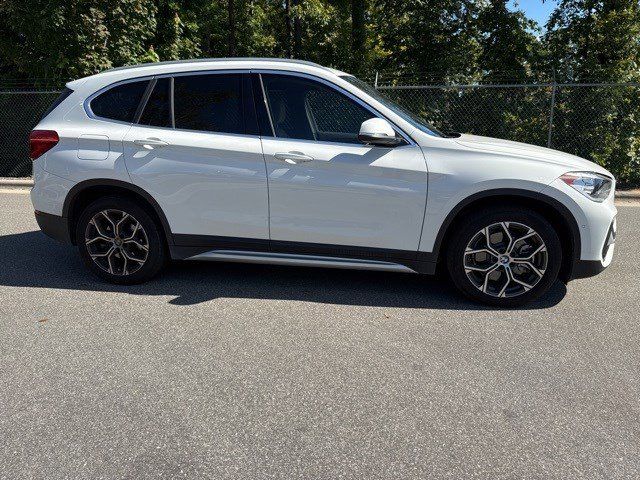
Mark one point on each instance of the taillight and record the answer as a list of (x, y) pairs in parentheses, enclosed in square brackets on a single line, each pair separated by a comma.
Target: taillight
[(41, 141)]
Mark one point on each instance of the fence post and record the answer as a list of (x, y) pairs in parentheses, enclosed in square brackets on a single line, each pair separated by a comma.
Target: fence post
[(553, 108), (375, 83)]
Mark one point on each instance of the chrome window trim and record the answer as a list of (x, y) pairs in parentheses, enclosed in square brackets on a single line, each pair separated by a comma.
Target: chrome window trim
[(151, 78), (87, 102), (359, 101), (330, 84)]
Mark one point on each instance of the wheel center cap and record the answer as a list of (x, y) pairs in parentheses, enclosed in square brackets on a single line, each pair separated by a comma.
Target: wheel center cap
[(117, 241), (504, 259)]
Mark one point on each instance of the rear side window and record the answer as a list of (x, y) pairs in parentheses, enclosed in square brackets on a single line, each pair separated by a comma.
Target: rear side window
[(120, 102), (157, 111), (61, 98), (210, 103)]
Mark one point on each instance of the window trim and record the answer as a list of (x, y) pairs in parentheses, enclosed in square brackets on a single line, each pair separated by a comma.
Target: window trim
[(152, 79), (339, 89), (90, 98), (241, 71)]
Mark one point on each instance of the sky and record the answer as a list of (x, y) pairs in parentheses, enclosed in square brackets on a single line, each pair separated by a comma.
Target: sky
[(535, 9)]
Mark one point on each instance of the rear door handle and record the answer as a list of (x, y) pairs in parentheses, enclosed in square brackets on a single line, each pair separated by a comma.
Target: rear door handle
[(293, 158), (151, 143)]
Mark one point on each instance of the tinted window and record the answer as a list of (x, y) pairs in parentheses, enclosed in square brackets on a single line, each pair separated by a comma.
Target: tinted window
[(157, 111), (120, 102), (409, 117), (308, 110), (61, 98), (212, 103)]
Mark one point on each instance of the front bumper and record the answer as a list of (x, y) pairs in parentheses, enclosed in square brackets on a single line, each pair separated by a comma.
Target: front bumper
[(54, 226), (596, 222), (590, 268)]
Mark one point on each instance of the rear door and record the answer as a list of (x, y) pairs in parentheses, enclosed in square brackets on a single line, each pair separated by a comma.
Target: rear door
[(197, 153)]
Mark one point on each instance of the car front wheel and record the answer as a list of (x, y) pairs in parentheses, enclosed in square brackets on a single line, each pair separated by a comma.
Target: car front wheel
[(505, 257), (119, 241)]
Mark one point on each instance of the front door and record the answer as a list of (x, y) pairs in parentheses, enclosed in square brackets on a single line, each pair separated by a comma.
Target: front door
[(197, 158), (325, 187)]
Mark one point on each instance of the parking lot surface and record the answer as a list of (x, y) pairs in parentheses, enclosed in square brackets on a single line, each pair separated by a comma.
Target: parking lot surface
[(244, 371)]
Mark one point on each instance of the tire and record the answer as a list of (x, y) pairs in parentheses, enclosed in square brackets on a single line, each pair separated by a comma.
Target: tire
[(504, 270), (120, 242)]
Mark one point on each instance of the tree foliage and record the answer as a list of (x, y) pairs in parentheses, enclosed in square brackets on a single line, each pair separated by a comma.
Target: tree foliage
[(432, 40)]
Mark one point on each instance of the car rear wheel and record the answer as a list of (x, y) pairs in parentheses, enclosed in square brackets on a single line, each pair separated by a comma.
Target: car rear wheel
[(119, 241), (505, 257)]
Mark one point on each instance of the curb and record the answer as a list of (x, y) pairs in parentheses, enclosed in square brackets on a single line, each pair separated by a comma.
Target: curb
[(629, 194), (27, 182), (16, 182)]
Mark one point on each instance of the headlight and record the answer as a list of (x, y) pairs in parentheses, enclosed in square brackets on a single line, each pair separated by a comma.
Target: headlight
[(592, 185)]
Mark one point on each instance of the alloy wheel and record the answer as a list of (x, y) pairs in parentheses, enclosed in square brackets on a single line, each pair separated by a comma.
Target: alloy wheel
[(505, 259), (116, 242)]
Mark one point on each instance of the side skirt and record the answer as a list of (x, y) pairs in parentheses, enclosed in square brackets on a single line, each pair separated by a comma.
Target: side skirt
[(228, 249), (300, 260)]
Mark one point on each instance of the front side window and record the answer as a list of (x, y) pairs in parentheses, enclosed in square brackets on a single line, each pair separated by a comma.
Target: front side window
[(210, 103), (409, 117), (120, 102), (304, 109)]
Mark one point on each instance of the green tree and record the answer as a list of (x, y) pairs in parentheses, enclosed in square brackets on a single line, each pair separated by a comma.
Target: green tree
[(598, 41), (510, 53), (177, 29), (46, 39), (427, 37)]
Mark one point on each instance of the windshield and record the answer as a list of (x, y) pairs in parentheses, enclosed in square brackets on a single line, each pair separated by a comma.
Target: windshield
[(406, 115)]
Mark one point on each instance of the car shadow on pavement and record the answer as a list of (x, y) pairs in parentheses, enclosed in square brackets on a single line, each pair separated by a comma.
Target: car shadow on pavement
[(33, 260)]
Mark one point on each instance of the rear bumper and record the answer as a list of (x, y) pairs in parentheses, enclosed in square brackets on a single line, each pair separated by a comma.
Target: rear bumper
[(54, 226)]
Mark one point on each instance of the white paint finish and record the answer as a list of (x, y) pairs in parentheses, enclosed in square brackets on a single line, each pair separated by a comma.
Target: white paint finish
[(377, 126), (526, 151), (49, 191), (206, 184), (93, 147), (594, 219), (299, 260), (72, 124), (459, 168), (348, 194)]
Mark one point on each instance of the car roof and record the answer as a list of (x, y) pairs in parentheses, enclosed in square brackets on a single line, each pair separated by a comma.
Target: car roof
[(156, 68)]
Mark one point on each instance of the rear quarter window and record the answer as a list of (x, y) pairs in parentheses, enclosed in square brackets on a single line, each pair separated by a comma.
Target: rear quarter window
[(61, 98), (119, 102)]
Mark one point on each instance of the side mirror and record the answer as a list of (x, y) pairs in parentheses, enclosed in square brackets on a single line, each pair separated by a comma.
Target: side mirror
[(377, 131)]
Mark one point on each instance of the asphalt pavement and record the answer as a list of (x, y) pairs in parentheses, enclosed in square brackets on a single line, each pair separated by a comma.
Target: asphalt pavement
[(232, 371)]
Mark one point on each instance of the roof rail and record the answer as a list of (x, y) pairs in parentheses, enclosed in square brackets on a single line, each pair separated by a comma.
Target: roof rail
[(212, 60)]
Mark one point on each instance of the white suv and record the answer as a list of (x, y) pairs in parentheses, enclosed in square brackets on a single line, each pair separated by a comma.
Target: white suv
[(288, 162)]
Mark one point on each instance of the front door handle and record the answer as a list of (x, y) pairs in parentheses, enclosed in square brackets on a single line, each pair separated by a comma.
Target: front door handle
[(150, 143), (293, 157)]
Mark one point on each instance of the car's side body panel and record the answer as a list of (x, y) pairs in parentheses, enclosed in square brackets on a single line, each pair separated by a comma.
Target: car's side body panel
[(206, 184), (348, 195)]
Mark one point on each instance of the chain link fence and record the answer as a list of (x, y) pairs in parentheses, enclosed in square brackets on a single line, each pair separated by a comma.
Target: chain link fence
[(20, 111), (600, 122)]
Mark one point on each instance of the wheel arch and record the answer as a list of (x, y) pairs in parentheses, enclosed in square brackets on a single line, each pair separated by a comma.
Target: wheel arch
[(83, 193), (554, 211)]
